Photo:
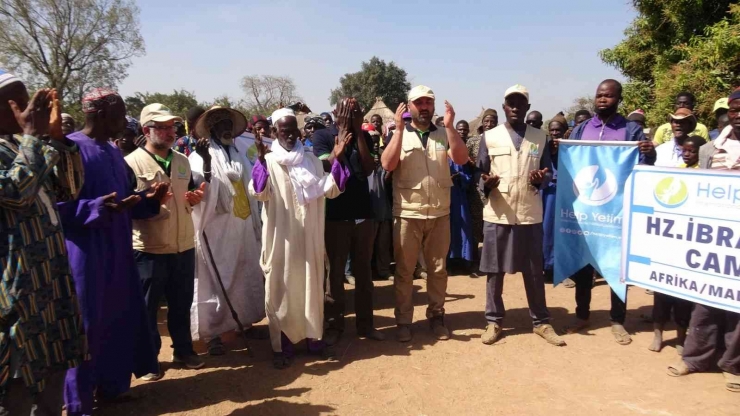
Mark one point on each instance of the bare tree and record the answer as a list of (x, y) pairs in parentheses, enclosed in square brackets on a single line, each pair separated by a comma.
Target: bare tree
[(70, 45), (266, 93), (580, 103)]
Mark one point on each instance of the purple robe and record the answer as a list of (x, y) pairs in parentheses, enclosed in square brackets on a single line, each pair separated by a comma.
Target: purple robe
[(106, 278)]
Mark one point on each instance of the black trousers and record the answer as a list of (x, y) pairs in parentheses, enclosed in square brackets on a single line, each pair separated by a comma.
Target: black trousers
[(18, 400), (383, 248), (662, 306), (534, 287), (343, 239), (713, 333), (584, 284), (171, 276)]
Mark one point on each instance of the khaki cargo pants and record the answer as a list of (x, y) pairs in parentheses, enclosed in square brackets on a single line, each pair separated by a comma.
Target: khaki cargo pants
[(432, 238)]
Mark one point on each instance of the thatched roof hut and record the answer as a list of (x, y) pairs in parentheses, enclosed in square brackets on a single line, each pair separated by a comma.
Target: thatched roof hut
[(382, 110), (476, 122)]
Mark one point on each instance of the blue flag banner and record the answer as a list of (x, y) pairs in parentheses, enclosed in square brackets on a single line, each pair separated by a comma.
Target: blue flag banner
[(588, 207)]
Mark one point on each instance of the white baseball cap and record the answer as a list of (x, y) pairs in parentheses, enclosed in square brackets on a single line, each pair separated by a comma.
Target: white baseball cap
[(157, 113), (517, 89), (420, 91)]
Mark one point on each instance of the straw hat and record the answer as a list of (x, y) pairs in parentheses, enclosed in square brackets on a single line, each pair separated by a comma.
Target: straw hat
[(216, 114)]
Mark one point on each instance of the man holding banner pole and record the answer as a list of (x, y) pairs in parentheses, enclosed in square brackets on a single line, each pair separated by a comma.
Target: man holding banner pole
[(608, 126), (710, 327), (513, 159)]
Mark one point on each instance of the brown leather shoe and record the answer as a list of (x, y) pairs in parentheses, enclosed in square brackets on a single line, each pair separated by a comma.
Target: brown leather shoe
[(492, 334), (547, 332)]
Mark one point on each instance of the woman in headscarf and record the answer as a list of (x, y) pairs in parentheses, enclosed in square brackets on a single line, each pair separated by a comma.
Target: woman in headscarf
[(476, 198)]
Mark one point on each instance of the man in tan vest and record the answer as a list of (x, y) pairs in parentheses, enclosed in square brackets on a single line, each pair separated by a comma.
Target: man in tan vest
[(417, 156), (164, 245), (513, 159)]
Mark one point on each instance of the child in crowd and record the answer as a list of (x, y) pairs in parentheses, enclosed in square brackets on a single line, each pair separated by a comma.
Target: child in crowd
[(691, 151), (663, 304)]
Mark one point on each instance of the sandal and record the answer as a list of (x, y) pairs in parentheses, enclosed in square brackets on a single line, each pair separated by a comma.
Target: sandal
[(216, 347), (679, 369), (621, 335), (732, 382), (281, 360)]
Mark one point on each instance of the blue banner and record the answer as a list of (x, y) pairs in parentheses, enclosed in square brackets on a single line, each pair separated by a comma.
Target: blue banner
[(588, 207)]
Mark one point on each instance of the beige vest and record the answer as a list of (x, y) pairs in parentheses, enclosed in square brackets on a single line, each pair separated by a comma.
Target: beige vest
[(172, 230), (515, 201), (421, 182)]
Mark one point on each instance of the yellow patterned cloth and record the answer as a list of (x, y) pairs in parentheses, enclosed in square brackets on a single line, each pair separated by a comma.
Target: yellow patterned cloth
[(241, 202)]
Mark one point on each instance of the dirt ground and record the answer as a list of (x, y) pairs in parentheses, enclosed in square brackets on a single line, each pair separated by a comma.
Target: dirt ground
[(521, 374)]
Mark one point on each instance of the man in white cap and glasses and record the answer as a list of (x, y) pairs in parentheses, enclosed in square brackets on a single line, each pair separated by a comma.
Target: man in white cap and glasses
[(417, 155), (164, 244), (227, 230), (293, 185), (513, 160)]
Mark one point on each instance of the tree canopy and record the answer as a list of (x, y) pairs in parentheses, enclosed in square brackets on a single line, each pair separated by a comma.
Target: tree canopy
[(676, 45), (179, 102), (580, 103), (376, 78), (70, 45)]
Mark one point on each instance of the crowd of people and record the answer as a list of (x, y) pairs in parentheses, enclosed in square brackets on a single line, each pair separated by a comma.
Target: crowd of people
[(103, 223)]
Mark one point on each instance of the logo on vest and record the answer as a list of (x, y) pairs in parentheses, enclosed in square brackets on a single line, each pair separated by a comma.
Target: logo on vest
[(595, 185), (534, 150), (439, 146), (182, 172)]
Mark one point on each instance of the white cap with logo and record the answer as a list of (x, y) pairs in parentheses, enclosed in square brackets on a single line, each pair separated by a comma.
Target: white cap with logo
[(420, 91), (156, 113), (517, 89)]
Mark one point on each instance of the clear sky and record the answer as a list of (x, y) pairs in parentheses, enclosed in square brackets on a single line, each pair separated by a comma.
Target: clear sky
[(467, 51)]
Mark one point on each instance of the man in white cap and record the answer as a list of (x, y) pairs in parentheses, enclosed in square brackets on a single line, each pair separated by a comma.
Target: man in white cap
[(417, 156), (164, 244), (513, 160), (227, 230), (293, 186)]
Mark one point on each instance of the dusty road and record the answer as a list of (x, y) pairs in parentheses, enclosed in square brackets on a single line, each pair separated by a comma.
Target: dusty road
[(519, 375)]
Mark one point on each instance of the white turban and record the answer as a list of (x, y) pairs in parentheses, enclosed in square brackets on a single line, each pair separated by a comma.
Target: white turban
[(6, 78), (278, 114)]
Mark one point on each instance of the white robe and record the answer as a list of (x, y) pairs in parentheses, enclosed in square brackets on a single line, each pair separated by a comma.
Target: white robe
[(293, 255), (235, 244)]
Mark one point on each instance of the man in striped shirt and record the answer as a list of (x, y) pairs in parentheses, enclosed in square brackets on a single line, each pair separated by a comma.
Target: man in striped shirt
[(41, 333)]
